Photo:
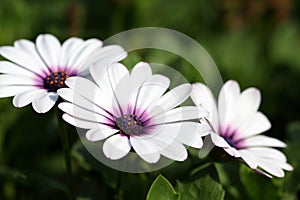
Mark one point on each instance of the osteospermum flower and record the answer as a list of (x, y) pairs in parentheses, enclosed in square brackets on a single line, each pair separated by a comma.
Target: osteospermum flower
[(131, 112), (35, 72), (236, 124)]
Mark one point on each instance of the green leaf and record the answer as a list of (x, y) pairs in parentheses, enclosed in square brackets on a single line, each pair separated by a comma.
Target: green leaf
[(161, 188), (203, 188), (258, 186)]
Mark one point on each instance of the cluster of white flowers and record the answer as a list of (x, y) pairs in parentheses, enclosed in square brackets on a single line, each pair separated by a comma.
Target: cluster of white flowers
[(135, 111)]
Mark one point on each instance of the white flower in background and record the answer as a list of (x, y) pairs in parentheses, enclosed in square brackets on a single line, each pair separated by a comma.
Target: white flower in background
[(236, 123), (132, 111), (34, 72)]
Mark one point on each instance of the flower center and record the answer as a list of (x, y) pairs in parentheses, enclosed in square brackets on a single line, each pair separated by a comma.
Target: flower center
[(230, 142), (130, 124), (55, 81)]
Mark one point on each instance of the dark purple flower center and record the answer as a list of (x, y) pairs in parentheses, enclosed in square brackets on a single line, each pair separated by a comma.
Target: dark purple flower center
[(55, 81), (130, 124), (230, 135)]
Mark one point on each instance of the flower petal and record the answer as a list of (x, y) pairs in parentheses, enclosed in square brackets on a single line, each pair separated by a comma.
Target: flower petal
[(12, 90), (178, 114), (93, 94), (25, 98), (30, 48), (173, 98), (218, 140), (80, 123), (106, 55), (227, 102), (270, 167), (7, 79), (45, 102), (175, 151), (70, 95), (68, 48), (82, 113), (249, 158), (49, 48), (148, 93), (116, 147), (22, 59), (256, 123), (13, 69), (146, 149), (82, 53), (191, 134), (262, 141), (266, 152), (203, 98), (140, 73), (100, 133)]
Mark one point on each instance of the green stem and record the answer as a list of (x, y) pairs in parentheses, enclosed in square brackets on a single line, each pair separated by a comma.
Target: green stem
[(120, 181), (65, 141)]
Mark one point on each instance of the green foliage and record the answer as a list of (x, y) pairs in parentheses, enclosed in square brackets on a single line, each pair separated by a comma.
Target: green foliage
[(203, 188), (161, 188)]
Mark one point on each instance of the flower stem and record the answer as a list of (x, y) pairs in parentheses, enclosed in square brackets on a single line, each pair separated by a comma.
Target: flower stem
[(119, 191), (65, 141)]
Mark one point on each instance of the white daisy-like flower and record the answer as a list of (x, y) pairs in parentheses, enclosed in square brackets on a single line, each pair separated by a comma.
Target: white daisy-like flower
[(131, 111), (35, 71), (236, 124)]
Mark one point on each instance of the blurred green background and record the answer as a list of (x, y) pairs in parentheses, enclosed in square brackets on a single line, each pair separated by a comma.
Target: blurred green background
[(256, 42)]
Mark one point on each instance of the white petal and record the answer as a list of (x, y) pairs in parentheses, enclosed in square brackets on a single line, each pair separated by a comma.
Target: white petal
[(70, 95), (109, 78), (232, 151), (178, 114), (80, 123), (6, 79), (268, 153), (10, 68), (12, 90), (203, 97), (106, 55), (93, 93), (146, 149), (49, 48), (256, 123), (270, 167), (84, 114), (45, 102), (173, 98), (227, 102), (148, 93), (121, 96), (191, 134), (140, 73), (30, 48), (100, 133), (249, 158), (263, 141), (68, 48), (247, 105), (175, 151), (22, 58), (218, 140), (116, 147), (77, 58), (25, 98)]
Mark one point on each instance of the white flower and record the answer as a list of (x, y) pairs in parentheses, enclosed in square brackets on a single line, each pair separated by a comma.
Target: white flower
[(131, 111), (34, 72), (236, 123)]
